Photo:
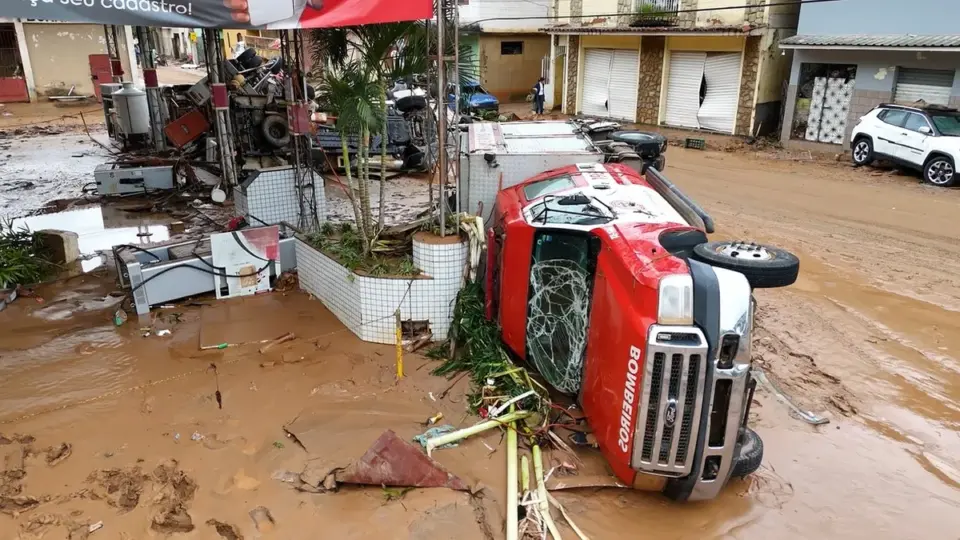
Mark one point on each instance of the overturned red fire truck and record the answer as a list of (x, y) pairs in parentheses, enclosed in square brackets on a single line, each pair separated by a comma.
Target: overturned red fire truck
[(614, 293)]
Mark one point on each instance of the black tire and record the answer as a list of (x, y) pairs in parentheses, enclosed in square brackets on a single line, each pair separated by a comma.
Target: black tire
[(751, 455), (940, 171), (862, 152), (275, 131), (411, 103), (765, 267), (648, 145), (248, 59)]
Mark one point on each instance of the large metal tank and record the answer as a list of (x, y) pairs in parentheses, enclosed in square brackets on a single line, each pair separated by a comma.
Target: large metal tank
[(133, 113)]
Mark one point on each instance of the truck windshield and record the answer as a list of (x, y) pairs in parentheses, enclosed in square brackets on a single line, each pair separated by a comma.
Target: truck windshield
[(535, 190), (948, 124), (561, 293)]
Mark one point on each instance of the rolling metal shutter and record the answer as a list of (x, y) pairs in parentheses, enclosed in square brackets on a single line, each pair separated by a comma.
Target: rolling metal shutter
[(596, 81), (624, 78), (929, 85), (719, 108), (683, 89)]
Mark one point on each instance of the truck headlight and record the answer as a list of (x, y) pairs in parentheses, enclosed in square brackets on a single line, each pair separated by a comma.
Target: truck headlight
[(676, 300)]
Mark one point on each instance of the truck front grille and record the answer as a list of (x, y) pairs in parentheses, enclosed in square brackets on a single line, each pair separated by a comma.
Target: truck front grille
[(671, 401)]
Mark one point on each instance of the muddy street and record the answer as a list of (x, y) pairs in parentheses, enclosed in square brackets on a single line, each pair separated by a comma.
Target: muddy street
[(869, 337)]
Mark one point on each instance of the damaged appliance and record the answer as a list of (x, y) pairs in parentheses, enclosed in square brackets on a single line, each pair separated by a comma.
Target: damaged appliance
[(177, 269), (117, 179), (616, 296)]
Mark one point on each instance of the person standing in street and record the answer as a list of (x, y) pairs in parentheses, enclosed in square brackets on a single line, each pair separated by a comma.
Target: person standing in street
[(539, 96)]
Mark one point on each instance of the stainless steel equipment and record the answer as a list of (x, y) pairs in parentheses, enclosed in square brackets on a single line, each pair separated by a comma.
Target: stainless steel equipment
[(116, 180)]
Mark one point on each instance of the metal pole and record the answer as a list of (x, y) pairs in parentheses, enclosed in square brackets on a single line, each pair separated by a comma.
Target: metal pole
[(442, 112), (430, 120), (152, 88), (456, 107), (220, 109)]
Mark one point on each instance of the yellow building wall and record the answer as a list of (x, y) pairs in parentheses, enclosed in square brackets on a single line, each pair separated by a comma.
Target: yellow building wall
[(610, 42), (723, 17), (563, 11), (706, 43), (774, 69), (59, 55), (230, 41), (511, 77)]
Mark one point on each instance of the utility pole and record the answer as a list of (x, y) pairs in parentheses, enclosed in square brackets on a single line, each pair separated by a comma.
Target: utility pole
[(220, 99), (442, 112), (152, 87)]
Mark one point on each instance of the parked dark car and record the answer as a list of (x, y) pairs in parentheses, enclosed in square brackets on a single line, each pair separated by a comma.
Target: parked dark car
[(474, 98)]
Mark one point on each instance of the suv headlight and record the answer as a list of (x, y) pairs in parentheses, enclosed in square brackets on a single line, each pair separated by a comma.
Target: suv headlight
[(676, 300)]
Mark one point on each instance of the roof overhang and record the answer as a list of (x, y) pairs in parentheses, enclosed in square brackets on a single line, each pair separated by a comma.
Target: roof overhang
[(652, 31), (868, 42), (865, 48)]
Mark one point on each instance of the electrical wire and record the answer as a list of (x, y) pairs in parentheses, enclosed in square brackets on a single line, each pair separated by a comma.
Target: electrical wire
[(695, 10)]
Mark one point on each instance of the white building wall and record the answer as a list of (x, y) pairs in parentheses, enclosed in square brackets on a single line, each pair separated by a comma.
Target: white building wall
[(482, 10)]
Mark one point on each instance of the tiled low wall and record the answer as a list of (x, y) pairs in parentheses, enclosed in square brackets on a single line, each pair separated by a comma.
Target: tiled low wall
[(366, 305)]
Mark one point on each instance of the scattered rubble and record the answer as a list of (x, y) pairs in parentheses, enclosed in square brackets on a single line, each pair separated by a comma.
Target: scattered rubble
[(225, 530), (56, 455), (173, 518), (263, 519)]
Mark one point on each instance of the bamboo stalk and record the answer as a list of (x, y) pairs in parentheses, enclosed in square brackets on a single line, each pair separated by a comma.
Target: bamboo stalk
[(512, 514), (542, 501), (524, 474), (473, 430)]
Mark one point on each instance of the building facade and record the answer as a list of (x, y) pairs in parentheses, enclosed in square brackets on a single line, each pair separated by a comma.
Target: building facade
[(508, 50), (714, 65), (845, 64), (42, 58)]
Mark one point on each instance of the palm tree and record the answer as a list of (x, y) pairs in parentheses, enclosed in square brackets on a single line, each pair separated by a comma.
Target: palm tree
[(354, 92), (383, 53)]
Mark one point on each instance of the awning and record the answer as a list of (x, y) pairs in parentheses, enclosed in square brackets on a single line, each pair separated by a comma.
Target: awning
[(269, 14), (896, 42)]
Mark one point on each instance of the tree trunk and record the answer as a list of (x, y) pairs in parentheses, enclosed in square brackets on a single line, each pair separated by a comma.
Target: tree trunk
[(383, 151), (364, 170), (353, 200)]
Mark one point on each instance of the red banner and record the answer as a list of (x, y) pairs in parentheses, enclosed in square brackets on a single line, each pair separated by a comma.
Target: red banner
[(269, 14)]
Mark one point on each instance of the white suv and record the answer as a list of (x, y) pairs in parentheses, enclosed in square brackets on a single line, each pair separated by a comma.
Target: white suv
[(922, 138)]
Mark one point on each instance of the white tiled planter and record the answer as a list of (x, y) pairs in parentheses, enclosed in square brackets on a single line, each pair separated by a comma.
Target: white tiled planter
[(366, 305)]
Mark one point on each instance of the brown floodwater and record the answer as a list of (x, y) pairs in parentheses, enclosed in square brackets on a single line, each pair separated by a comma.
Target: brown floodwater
[(869, 337)]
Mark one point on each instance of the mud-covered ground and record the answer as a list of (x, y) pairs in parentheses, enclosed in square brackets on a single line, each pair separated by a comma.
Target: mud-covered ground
[(869, 337)]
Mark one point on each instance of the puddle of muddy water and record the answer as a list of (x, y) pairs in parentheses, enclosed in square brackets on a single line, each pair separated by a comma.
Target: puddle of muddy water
[(99, 229)]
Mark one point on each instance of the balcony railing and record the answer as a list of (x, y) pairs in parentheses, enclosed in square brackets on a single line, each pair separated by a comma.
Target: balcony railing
[(656, 13)]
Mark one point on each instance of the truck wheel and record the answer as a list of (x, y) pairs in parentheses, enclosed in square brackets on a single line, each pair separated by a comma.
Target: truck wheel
[(275, 130), (765, 267), (751, 454)]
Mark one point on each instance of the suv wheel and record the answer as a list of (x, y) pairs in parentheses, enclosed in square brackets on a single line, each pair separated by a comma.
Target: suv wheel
[(862, 152), (940, 171)]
